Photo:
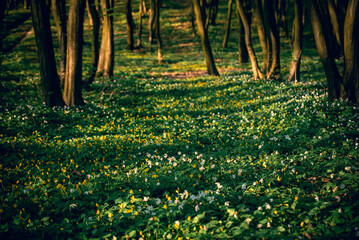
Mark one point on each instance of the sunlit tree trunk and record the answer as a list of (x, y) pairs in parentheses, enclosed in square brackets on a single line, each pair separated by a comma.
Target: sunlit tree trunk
[(151, 22), (259, 20), (228, 26), (129, 25), (211, 67), (73, 79), (106, 55), (193, 19), (242, 48), (58, 8), (139, 31), (330, 68), (50, 83), (351, 53), (294, 72), (274, 71), (157, 32), (255, 69), (95, 25)]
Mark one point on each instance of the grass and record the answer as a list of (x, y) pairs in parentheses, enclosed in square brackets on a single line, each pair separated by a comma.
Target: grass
[(165, 151)]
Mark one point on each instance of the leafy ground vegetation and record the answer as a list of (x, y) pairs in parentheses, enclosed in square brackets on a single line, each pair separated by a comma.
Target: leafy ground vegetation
[(165, 151)]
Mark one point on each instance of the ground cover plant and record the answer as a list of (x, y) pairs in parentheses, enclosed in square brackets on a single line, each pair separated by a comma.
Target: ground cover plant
[(163, 151)]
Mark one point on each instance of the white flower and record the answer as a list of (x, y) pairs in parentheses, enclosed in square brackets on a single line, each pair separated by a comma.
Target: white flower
[(260, 225), (72, 206), (196, 208), (248, 220), (219, 185), (244, 186), (145, 199), (158, 201), (226, 203), (260, 209), (267, 206), (347, 168)]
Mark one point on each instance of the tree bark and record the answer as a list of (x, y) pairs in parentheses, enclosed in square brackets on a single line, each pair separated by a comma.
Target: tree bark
[(255, 69), (129, 25), (95, 20), (58, 8), (211, 67), (294, 72), (259, 20), (351, 55), (274, 71), (157, 32), (330, 68), (106, 56), (139, 31), (73, 79), (50, 83), (2, 16), (242, 49), (228, 26), (151, 22)]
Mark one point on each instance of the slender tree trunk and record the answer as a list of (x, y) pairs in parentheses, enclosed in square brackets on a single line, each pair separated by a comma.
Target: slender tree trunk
[(211, 67), (214, 12), (157, 32), (274, 71), (255, 69), (58, 8), (73, 79), (330, 68), (242, 48), (351, 54), (151, 22), (338, 24), (106, 56), (228, 26), (193, 16), (259, 19), (129, 26), (2, 16), (95, 20), (294, 72), (50, 83), (139, 31)]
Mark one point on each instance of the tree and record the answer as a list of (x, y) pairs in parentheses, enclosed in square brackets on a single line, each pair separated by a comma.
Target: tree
[(259, 20), (50, 83), (73, 79), (242, 49), (151, 21), (294, 72), (139, 31), (351, 55), (58, 8), (228, 25), (255, 69), (95, 25), (157, 32), (2, 16), (321, 40), (129, 25), (106, 55), (211, 67), (274, 71)]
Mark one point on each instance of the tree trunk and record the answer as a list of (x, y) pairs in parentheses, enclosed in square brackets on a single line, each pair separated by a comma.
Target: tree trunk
[(351, 54), (228, 26), (95, 20), (330, 68), (211, 67), (2, 16), (129, 26), (73, 79), (259, 20), (157, 32), (338, 24), (193, 19), (139, 31), (106, 56), (294, 72), (255, 69), (242, 49), (50, 83), (151, 22), (58, 8), (274, 71)]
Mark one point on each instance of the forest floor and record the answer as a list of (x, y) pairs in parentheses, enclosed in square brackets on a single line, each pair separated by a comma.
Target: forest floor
[(165, 151)]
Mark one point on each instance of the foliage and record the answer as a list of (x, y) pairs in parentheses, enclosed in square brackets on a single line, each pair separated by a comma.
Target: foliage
[(157, 153)]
